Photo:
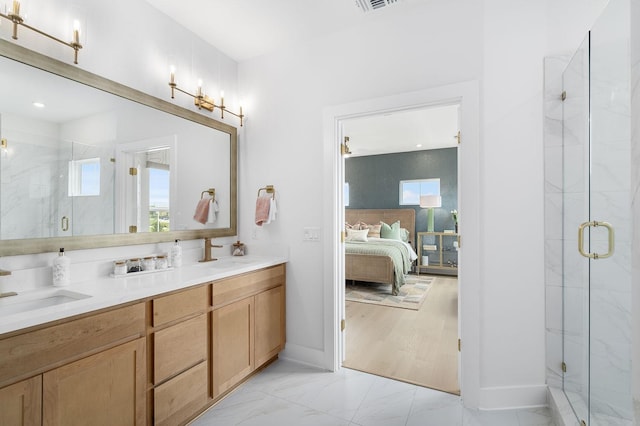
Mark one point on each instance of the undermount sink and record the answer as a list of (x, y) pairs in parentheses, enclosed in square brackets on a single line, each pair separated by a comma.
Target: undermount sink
[(225, 263), (38, 300)]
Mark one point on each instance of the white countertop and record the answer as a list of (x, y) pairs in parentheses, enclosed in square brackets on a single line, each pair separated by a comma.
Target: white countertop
[(108, 292)]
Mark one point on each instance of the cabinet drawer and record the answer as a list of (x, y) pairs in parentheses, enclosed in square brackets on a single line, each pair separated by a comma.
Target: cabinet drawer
[(179, 305), (179, 347), (181, 397), (235, 288), (33, 352)]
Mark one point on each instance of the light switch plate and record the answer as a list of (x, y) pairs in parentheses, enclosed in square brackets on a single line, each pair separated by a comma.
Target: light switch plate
[(311, 233)]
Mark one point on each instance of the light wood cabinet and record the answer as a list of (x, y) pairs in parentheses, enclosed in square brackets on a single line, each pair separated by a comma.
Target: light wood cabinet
[(20, 403), (179, 336), (179, 347), (248, 325), (107, 388), (182, 397), (269, 324), (232, 344), (159, 361)]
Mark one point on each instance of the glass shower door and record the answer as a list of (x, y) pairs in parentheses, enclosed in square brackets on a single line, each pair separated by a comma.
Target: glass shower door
[(575, 203), (597, 224)]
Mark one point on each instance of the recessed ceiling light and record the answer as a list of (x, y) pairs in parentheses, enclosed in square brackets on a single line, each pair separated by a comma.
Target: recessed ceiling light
[(419, 145), (38, 104)]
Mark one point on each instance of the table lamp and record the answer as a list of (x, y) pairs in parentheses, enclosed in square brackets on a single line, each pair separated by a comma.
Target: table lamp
[(429, 202)]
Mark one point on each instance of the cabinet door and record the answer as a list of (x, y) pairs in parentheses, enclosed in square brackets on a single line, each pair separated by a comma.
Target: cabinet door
[(270, 324), (20, 403), (232, 344), (107, 388)]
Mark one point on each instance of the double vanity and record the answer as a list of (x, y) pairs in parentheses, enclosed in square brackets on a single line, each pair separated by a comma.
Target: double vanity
[(149, 349)]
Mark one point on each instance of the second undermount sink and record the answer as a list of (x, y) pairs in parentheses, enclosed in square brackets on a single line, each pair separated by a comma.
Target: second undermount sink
[(37, 300)]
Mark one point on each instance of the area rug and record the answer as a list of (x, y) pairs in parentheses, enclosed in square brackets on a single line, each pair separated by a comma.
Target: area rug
[(412, 294)]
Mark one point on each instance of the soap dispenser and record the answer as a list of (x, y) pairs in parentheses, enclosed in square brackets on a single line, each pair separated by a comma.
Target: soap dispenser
[(176, 255), (61, 270)]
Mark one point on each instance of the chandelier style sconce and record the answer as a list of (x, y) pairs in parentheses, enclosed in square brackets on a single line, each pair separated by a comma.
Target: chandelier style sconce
[(201, 100), (14, 16)]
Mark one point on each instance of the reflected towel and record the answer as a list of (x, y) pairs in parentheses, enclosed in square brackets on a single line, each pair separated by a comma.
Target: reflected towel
[(202, 210), (213, 212), (262, 209)]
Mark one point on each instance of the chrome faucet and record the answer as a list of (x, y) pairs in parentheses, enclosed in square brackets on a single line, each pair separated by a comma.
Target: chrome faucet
[(208, 245)]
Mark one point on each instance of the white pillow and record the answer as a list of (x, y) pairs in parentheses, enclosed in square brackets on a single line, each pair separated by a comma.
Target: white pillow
[(357, 235)]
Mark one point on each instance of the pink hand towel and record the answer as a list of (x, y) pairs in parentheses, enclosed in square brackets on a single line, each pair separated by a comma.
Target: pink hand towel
[(202, 210), (262, 209)]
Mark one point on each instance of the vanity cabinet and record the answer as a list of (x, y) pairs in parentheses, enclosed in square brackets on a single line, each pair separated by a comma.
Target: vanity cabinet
[(180, 355), (248, 325), (20, 403), (162, 360), (89, 367)]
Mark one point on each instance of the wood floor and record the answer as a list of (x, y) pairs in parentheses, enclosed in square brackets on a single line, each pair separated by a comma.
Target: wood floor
[(419, 347)]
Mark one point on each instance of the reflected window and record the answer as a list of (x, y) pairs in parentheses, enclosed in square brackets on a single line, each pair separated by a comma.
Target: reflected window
[(84, 177), (159, 178)]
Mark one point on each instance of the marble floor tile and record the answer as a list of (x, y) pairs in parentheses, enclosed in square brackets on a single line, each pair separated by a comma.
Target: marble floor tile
[(287, 393)]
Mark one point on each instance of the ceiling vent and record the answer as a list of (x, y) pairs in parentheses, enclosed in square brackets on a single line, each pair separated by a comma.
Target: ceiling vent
[(369, 5)]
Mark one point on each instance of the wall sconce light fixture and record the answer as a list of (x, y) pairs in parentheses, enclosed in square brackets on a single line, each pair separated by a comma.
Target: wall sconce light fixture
[(15, 17), (200, 99)]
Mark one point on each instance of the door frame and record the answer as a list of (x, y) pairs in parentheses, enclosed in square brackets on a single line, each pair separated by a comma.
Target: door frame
[(466, 94)]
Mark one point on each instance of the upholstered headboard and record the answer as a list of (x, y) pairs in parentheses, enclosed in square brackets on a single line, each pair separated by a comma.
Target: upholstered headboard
[(407, 218)]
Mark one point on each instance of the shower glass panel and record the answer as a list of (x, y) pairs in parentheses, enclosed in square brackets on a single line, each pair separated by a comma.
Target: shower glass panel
[(575, 161), (596, 189)]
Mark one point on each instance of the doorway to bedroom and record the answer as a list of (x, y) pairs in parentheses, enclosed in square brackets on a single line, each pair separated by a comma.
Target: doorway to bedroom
[(401, 297)]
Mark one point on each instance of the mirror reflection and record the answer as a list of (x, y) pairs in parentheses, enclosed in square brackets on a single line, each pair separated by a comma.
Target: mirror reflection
[(78, 161)]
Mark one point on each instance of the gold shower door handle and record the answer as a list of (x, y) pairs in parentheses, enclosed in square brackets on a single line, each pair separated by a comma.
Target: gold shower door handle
[(64, 223), (595, 224)]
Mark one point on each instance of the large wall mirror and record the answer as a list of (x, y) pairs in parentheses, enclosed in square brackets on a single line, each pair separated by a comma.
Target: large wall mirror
[(86, 162)]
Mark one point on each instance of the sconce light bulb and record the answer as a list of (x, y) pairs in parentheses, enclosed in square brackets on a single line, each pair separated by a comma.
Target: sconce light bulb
[(172, 74), (16, 7), (76, 31)]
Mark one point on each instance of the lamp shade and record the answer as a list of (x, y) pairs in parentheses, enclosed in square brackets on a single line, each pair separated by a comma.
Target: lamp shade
[(430, 201)]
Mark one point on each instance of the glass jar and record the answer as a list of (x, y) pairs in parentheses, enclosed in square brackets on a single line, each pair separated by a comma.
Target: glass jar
[(119, 267), (161, 262), (149, 263), (134, 265)]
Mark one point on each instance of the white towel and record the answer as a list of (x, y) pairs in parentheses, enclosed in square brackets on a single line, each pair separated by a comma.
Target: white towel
[(272, 211), (213, 212)]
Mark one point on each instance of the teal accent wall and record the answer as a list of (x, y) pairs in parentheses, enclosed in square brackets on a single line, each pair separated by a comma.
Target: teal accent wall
[(374, 182)]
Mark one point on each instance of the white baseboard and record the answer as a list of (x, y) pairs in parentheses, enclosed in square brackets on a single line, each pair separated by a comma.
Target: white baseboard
[(304, 355), (510, 397)]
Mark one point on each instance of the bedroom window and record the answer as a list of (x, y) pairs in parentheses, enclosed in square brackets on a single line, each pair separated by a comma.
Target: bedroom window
[(345, 194), (411, 190)]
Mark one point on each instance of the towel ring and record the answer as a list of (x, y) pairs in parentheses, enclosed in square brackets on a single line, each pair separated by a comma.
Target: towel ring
[(210, 191), (269, 189)]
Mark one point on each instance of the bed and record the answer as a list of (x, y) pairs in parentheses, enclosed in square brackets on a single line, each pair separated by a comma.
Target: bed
[(373, 264)]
